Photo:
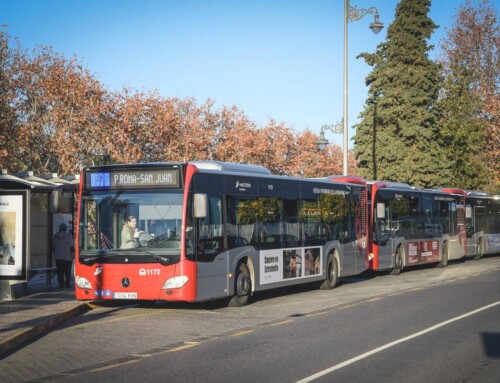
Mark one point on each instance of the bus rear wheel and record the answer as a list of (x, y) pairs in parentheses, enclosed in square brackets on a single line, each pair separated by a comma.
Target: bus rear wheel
[(331, 274), (242, 287)]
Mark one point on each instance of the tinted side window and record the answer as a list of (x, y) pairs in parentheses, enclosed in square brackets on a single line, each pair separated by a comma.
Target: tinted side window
[(269, 215), (241, 220), (241, 210), (291, 205), (209, 230)]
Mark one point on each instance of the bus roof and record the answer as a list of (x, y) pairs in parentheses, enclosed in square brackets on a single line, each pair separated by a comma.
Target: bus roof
[(390, 184), (348, 179), (230, 167), (475, 193)]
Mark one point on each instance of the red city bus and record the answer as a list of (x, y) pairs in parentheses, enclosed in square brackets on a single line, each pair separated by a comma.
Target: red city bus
[(411, 227), (211, 230)]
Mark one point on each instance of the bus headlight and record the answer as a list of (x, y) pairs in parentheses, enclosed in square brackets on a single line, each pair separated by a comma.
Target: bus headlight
[(175, 282), (83, 283)]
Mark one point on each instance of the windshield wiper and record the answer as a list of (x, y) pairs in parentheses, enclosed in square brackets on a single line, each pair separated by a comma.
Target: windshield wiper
[(163, 260)]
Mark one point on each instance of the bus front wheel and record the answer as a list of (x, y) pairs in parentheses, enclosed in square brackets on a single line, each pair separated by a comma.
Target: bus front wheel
[(479, 250), (331, 274), (398, 262), (242, 287), (444, 257)]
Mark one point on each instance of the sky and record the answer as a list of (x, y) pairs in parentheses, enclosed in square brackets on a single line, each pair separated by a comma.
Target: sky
[(279, 59)]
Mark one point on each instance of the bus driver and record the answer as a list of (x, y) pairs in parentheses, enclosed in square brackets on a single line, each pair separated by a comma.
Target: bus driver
[(130, 234)]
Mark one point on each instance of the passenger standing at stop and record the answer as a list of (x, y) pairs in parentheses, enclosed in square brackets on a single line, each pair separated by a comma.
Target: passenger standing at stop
[(63, 247)]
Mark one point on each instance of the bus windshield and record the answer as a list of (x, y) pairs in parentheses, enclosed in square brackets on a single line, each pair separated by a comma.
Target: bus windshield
[(130, 227)]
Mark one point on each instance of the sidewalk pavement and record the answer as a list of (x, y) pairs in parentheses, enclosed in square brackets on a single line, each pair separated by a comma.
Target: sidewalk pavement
[(38, 307)]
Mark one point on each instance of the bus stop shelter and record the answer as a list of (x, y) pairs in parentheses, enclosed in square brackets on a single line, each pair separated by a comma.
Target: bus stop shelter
[(27, 226)]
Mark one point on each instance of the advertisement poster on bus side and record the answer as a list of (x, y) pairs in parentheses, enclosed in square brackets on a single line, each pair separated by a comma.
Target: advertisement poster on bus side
[(12, 252), (422, 252), (279, 265)]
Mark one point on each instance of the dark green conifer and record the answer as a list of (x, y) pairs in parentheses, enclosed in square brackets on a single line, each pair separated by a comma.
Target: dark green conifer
[(397, 138)]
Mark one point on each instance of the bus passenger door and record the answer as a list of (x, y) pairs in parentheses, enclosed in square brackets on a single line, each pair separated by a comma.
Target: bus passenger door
[(383, 235), (348, 238), (211, 256)]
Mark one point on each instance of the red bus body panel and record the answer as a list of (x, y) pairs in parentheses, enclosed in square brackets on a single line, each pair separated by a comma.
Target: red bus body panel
[(143, 280)]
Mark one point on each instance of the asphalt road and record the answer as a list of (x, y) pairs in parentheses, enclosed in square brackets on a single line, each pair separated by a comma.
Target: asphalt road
[(433, 325)]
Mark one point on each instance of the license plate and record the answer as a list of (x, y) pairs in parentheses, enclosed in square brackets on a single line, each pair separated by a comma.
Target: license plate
[(125, 295)]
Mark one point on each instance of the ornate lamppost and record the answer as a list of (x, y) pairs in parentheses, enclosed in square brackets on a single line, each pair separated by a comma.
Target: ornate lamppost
[(350, 14)]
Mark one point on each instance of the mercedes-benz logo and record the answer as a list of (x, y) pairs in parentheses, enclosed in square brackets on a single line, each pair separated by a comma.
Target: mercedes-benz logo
[(125, 282)]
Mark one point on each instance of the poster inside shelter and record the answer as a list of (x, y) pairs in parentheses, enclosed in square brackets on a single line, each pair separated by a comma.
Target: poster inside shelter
[(11, 236)]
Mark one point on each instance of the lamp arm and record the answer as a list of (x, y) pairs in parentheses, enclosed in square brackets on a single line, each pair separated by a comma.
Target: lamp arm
[(334, 128), (355, 14)]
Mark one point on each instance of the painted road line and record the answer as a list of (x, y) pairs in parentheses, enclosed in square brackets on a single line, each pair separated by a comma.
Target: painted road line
[(374, 299), (317, 313), (240, 333), (181, 348), (110, 366), (348, 306), (392, 344), (281, 323)]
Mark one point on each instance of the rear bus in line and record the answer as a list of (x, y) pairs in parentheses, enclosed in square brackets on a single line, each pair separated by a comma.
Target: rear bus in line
[(411, 227), (483, 224), (213, 230)]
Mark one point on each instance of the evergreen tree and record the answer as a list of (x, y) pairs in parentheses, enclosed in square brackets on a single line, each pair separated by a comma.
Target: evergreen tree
[(396, 139)]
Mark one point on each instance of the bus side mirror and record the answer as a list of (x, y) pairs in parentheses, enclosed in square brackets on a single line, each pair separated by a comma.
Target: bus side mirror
[(468, 212), (380, 210), (200, 205)]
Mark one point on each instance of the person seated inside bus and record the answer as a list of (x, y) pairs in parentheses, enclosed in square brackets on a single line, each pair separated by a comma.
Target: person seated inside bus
[(130, 234)]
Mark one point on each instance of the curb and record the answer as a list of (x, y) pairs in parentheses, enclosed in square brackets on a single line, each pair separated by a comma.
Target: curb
[(23, 336)]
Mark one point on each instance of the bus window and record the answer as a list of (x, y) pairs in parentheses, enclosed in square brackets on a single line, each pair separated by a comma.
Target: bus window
[(241, 219), (406, 216), (445, 222), (291, 203), (210, 242), (269, 224), (269, 215), (310, 214)]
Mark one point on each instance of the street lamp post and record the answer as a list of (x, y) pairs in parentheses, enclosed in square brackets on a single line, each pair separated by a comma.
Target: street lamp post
[(351, 14), (335, 128)]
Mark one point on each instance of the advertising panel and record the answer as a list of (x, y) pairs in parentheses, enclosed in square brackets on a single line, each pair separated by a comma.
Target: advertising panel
[(280, 265), (422, 252), (13, 233)]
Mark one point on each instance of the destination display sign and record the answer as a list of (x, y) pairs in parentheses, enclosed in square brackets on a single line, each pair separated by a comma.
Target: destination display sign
[(133, 179)]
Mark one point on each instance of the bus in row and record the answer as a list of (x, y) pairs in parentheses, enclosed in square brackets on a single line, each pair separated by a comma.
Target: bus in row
[(199, 231), (413, 227), (482, 224), (206, 230)]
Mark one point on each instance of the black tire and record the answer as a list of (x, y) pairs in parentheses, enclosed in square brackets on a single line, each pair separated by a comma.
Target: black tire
[(398, 262), (332, 274), (444, 257), (242, 287), (480, 250)]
